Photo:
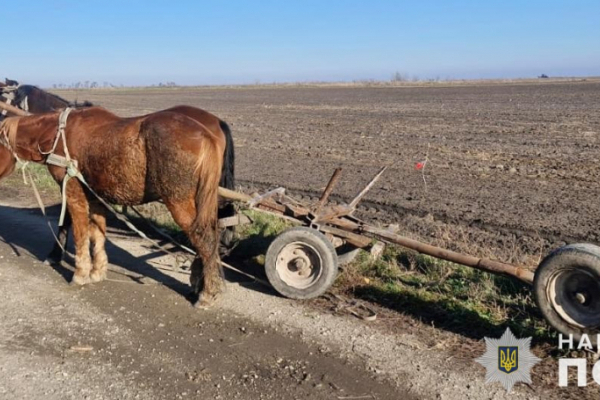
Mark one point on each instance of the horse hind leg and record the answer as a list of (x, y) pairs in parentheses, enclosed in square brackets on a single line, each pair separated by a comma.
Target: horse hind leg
[(206, 278), (98, 238)]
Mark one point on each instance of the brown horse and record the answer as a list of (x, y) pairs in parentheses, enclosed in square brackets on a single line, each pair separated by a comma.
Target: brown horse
[(162, 156), (39, 101)]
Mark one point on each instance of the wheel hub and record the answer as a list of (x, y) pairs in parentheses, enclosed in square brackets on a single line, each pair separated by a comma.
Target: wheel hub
[(575, 295), (299, 265), (582, 298)]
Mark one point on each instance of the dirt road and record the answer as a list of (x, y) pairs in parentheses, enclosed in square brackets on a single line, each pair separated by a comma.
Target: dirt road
[(142, 339)]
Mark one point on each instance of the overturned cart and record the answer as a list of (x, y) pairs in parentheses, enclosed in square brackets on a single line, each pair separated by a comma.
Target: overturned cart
[(302, 262)]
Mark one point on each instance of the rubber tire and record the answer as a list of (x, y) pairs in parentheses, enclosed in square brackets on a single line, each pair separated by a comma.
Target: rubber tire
[(575, 255), (227, 241), (347, 254), (320, 243)]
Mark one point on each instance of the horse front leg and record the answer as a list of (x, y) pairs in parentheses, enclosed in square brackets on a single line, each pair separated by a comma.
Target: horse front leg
[(80, 214), (57, 253), (98, 238)]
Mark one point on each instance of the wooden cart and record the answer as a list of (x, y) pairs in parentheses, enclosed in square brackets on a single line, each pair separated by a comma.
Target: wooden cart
[(302, 262)]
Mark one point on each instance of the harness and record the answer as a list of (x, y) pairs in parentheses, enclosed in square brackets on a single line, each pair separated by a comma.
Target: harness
[(63, 161)]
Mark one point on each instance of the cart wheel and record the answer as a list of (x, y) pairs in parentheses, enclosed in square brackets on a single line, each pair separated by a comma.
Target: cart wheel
[(567, 290), (301, 263)]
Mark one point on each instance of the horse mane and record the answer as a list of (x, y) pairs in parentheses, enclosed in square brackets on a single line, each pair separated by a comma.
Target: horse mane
[(8, 131)]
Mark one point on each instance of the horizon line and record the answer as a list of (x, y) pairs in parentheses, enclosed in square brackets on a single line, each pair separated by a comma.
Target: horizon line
[(357, 82)]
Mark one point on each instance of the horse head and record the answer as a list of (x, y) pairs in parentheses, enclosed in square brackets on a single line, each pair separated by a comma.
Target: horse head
[(9, 82)]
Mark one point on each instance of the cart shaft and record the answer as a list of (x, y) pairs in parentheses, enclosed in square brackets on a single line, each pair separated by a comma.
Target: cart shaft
[(449, 255)]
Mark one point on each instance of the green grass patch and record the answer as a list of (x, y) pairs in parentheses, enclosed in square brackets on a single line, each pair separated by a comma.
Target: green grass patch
[(255, 239), (263, 225), (42, 178), (454, 297)]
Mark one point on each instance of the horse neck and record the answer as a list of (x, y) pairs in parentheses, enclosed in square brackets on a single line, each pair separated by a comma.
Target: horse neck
[(35, 132), (40, 102)]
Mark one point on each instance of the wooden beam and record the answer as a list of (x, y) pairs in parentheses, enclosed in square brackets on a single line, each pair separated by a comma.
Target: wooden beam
[(13, 109)]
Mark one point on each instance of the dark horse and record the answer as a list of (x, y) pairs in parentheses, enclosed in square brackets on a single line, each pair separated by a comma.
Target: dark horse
[(39, 101), (35, 100), (162, 156)]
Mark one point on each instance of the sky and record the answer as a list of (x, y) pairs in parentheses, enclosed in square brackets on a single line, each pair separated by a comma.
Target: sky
[(193, 42)]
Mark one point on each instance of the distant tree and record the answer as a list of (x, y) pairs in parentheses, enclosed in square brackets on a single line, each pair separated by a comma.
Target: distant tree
[(543, 76), (399, 77)]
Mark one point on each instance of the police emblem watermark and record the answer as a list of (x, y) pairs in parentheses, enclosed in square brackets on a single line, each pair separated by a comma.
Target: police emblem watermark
[(508, 360)]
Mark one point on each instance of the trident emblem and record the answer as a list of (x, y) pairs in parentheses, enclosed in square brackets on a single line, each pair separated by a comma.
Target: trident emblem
[(508, 360)]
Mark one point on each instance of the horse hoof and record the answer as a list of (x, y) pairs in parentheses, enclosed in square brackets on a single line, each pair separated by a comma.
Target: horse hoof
[(97, 276), (78, 280), (53, 259), (205, 301)]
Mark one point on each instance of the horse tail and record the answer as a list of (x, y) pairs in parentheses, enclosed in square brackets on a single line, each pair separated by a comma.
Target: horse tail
[(208, 170), (228, 171)]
